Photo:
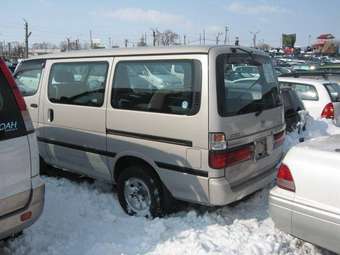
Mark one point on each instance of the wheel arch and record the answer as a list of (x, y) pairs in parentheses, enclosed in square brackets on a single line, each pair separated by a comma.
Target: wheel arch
[(126, 160)]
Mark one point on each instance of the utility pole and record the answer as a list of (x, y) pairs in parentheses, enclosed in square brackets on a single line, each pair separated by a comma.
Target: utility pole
[(218, 37), (9, 50), (68, 44), (185, 40), (254, 37), (91, 41), (203, 36), (200, 39), (226, 35), (27, 35), (237, 41), (154, 37), (77, 44), (110, 42), (1, 49)]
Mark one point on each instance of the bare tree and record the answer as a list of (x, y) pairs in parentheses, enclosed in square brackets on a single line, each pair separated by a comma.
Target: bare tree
[(166, 38), (264, 46), (69, 45)]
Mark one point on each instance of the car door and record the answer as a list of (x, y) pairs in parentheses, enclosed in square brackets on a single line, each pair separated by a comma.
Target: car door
[(28, 77), (74, 112), (310, 98)]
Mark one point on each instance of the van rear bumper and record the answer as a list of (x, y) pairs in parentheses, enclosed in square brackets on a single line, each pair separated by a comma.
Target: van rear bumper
[(221, 193), (11, 224)]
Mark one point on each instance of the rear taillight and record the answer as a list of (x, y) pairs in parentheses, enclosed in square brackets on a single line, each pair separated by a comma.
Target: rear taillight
[(279, 138), (220, 157), (328, 111), (285, 179), (18, 97)]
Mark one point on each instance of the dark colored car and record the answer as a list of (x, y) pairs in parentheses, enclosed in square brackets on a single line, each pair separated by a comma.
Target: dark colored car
[(294, 110)]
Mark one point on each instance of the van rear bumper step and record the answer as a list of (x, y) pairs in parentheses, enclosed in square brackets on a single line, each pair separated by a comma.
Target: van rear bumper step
[(221, 193), (239, 185)]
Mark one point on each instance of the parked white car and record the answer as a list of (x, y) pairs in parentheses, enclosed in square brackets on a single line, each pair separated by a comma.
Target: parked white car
[(320, 97), (21, 189), (306, 202)]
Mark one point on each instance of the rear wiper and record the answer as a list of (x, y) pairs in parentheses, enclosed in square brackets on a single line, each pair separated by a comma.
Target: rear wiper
[(259, 111), (250, 53)]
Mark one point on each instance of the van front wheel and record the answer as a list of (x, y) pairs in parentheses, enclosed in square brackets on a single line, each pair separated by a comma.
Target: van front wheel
[(140, 193)]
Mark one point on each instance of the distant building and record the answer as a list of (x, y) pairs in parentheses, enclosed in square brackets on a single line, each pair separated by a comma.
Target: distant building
[(325, 44), (97, 44)]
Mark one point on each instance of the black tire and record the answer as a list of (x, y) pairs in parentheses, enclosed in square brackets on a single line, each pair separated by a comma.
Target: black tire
[(43, 166), (156, 195), (13, 237)]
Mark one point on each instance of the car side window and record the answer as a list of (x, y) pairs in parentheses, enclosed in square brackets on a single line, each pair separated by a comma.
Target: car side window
[(28, 76), (163, 86), (305, 91), (78, 83), (333, 90)]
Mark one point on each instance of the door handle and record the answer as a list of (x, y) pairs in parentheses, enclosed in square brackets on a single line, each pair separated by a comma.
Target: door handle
[(34, 105), (50, 116)]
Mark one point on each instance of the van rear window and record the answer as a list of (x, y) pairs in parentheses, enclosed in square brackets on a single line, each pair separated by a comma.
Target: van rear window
[(11, 122), (245, 84)]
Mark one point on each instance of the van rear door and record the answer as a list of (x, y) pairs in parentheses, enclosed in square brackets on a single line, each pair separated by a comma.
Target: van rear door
[(250, 114), (15, 168)]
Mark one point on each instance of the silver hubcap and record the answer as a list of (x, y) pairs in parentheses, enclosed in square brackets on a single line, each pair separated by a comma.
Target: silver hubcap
[(137, 196)]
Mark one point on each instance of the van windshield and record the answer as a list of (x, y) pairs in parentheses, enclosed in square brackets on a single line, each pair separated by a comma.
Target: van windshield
[(245, 83)]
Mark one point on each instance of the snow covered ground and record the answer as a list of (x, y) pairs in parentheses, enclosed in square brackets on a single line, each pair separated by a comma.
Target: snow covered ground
[(83, 218)]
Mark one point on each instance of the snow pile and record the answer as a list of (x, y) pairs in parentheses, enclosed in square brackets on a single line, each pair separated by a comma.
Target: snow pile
[(86, 219), (314, 129)]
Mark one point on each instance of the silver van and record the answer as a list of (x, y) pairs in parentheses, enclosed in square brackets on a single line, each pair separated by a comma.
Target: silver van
[(161, 123), (21, 189)]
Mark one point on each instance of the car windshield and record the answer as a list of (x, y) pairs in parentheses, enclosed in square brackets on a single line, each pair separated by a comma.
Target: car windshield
[(333, 91), (246, 84)]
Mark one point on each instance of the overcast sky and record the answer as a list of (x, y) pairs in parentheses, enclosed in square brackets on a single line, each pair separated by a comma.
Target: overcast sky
[(54, 20)]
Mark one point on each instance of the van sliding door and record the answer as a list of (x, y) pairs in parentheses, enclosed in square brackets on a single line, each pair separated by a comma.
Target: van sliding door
[(74, 112)]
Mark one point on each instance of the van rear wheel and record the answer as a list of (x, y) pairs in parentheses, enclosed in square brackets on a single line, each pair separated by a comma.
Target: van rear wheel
[(140, 193)]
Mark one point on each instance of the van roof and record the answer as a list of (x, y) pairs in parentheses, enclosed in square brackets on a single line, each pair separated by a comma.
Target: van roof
[(143, 51)]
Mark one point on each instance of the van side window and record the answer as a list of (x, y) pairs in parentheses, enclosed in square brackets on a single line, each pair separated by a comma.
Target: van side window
[(78, 83), (163, 86), (28, 76), (305, 91)]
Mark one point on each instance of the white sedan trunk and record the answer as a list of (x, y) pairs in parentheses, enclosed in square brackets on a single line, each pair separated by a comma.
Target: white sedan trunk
[(312, 212), (315, 165)]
